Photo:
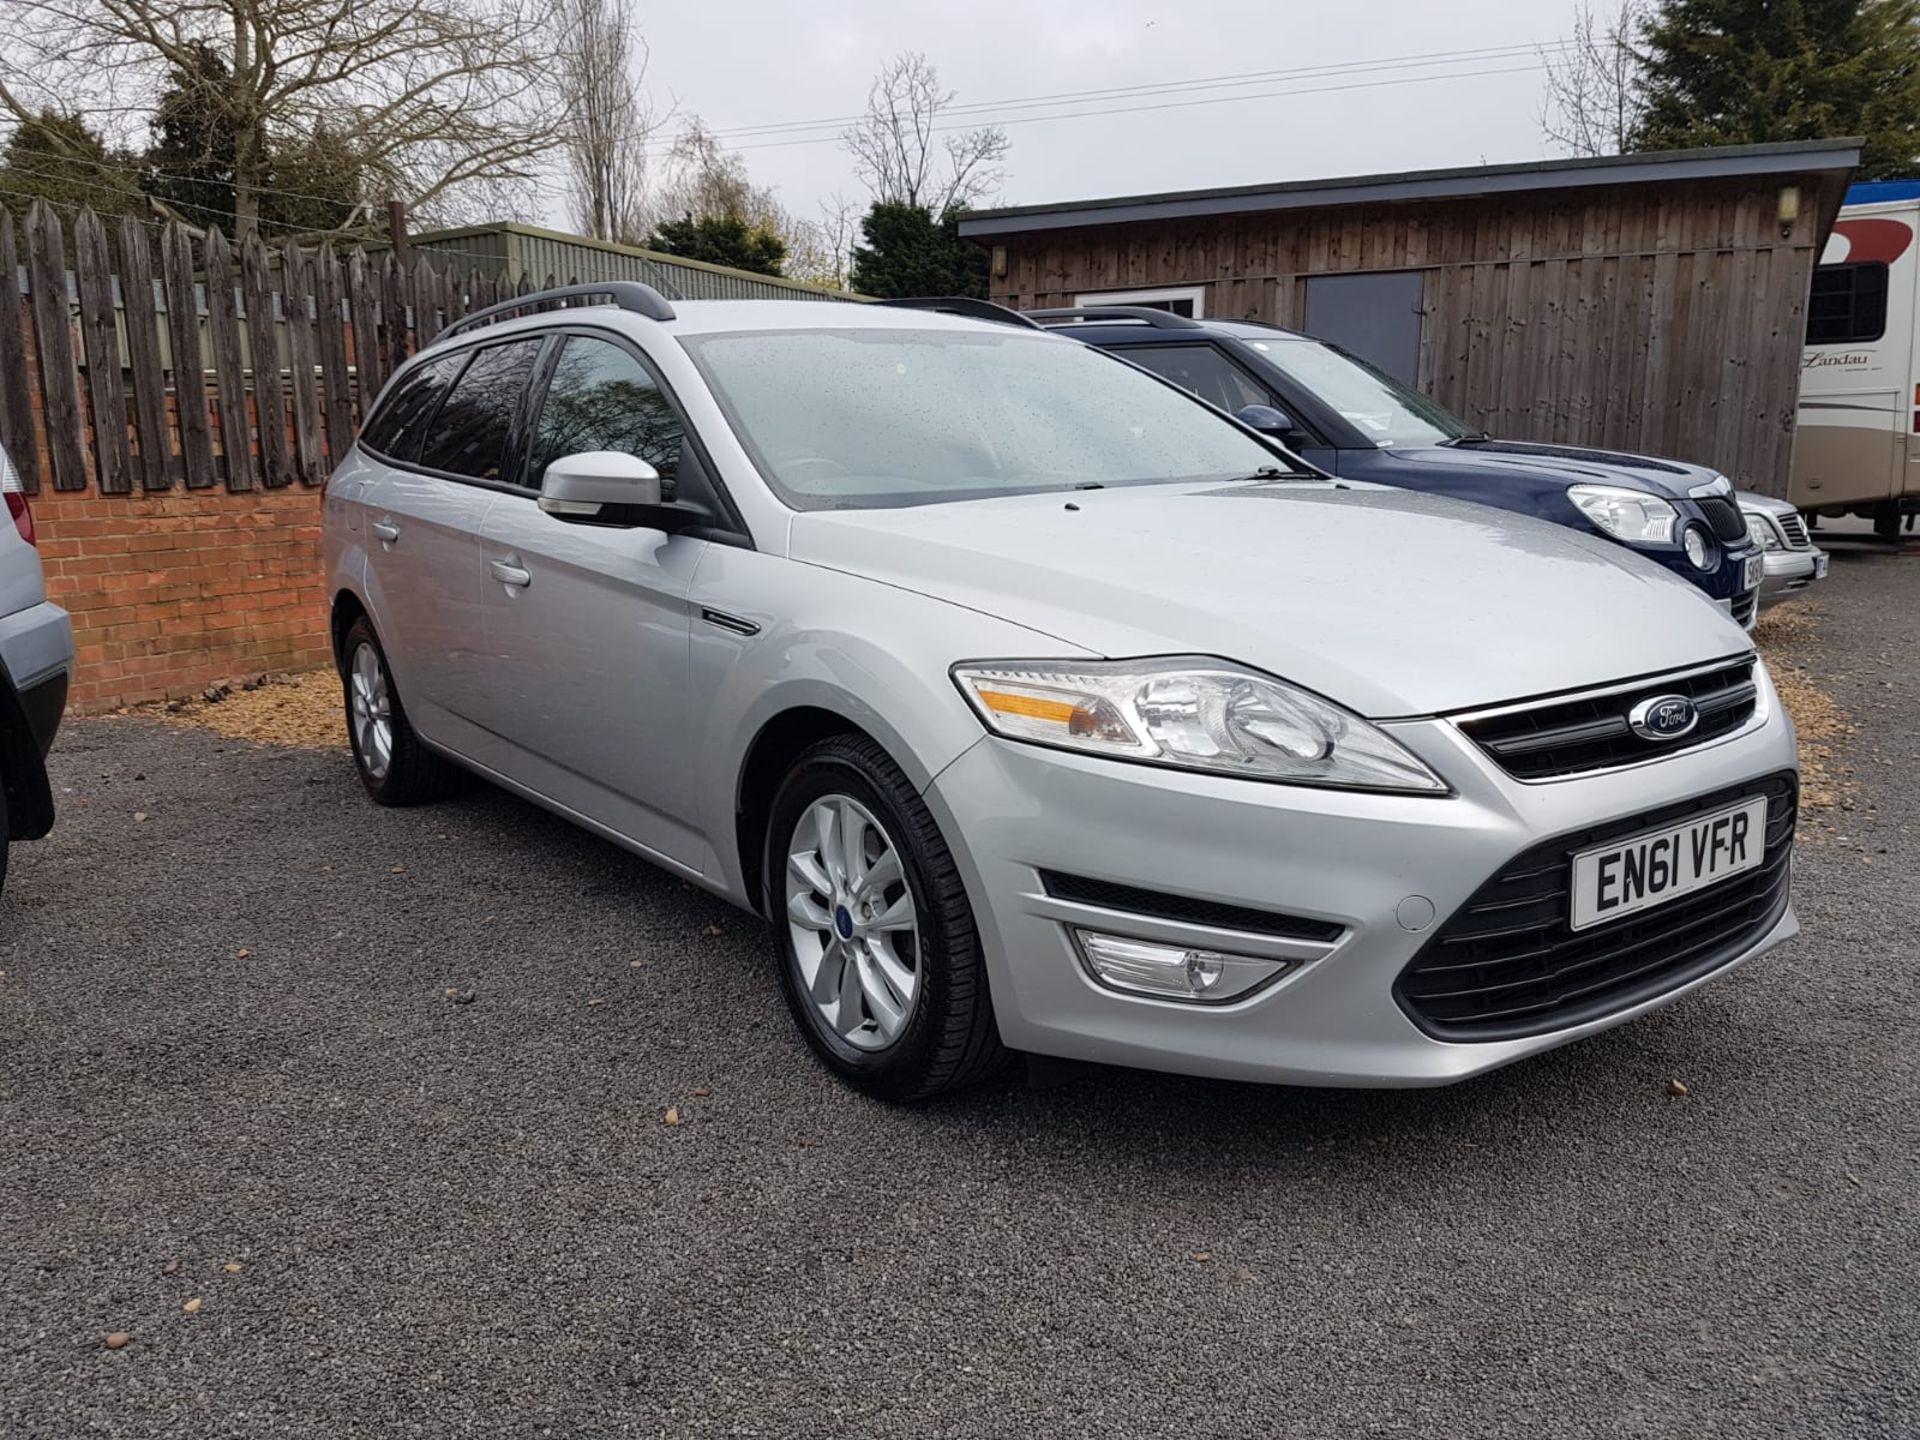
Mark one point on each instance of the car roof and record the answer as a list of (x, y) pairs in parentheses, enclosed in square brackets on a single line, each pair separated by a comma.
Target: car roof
[(702, 317)]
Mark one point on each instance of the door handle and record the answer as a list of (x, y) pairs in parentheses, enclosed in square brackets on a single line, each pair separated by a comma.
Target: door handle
[(510, 572), (386, 530)]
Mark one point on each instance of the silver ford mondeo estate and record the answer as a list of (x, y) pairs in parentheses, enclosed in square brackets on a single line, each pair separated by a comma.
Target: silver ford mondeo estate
[(1041, 707)]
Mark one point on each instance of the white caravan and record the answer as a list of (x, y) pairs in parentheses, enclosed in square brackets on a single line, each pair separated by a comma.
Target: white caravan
[(1857, 451)]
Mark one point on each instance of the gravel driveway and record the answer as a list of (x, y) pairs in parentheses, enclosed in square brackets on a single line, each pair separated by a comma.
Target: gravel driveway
[(388, 1093)]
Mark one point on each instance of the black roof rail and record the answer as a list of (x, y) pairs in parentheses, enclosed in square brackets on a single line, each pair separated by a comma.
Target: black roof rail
[(629, 295), (962, 305), (1073, 315)]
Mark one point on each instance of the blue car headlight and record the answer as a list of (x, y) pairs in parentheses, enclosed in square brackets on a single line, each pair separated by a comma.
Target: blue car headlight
[(1630, 515)]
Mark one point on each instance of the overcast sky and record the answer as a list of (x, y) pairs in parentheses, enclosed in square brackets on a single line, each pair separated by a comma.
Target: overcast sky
[(753, 63)]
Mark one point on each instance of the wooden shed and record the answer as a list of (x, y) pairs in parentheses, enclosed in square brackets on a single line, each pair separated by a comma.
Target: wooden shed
[(1650, 302)]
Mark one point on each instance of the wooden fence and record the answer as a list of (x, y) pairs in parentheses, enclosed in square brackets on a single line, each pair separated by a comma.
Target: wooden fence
[(128, 358)]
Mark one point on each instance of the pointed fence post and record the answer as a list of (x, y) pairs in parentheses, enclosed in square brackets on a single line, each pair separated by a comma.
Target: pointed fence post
[(140, 306), (53, 339), (223, 336), (263, 356), (16, 396), (106, 386), (177, 267)]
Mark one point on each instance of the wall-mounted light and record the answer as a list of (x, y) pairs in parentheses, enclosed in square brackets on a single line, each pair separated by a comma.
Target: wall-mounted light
[(999, 262), (1789, 210)]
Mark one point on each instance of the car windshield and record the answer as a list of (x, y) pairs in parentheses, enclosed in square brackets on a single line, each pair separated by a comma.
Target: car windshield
[(875, 418), (1380, 407)]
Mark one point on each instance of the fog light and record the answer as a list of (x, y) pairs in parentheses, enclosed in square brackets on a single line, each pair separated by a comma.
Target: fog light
[(1694, 542), (1174, 972)]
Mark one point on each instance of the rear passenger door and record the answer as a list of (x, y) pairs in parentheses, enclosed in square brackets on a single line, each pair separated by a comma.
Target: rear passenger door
[(588, 626), (447, 434)]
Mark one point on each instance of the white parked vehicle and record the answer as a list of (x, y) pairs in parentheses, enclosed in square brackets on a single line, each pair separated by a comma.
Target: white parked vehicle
[(1857, 447)]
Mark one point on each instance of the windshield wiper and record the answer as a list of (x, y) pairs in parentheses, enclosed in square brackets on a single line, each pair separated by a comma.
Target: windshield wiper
[(1274, 472), (1481, 438)]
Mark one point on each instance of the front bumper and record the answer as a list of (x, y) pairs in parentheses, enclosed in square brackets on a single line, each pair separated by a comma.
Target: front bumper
[(1361, 861), (1790, 571)]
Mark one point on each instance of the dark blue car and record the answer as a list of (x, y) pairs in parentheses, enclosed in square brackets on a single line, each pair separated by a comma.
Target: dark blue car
[(1351, 420)]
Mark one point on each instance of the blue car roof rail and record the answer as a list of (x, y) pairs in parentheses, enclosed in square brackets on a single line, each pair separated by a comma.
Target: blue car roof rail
[(966, 305), (629, 295), (1074, 315)]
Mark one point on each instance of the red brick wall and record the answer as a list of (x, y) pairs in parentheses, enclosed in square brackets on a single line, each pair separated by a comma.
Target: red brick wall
[(173, 591)]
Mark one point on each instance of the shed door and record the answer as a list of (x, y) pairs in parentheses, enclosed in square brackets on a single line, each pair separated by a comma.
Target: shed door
[(1374, 316)]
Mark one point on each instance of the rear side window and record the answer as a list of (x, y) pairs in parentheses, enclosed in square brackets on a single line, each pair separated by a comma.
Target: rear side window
[(394, 429), (1202, 370), (469, 434), (602, 398), (1848, 305)]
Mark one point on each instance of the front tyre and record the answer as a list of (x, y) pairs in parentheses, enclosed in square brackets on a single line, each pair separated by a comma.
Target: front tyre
[(878, 953), (394, 766)]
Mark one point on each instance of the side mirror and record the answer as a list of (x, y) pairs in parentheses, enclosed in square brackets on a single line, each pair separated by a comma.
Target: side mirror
[(610, 487), (1267, 419)]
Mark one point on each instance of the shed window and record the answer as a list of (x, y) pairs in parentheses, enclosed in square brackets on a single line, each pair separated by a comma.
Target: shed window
[(1187, 300), (1849, 303)]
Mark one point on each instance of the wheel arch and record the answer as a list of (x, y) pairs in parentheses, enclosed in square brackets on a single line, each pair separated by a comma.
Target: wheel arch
[(347, 608), (780, 741)]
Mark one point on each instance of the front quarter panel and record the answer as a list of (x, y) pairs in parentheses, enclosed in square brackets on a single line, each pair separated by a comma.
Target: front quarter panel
[(874, 654)]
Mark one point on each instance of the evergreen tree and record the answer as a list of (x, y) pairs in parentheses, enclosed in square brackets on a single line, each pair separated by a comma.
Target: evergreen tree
[(1733, 72), (721, 240), (58, 159), (190, 160), (310, 182), (908, 252)]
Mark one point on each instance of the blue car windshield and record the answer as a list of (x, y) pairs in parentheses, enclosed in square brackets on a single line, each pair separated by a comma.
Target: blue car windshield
[(1375, 404), (880, 417)]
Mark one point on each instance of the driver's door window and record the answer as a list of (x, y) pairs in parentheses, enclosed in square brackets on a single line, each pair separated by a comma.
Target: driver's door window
[(602, 398)]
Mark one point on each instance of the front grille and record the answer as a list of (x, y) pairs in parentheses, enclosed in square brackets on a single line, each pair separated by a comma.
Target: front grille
[(1794, 529), (1723, 518), (1507, 965), (1186, 908), (1744, 607), (1572, 737)]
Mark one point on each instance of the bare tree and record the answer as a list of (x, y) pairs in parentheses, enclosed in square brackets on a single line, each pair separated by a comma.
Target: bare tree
[(1593, 99), (821, 251), (431, 96), (905, 156), (703, 180), (609, 118)]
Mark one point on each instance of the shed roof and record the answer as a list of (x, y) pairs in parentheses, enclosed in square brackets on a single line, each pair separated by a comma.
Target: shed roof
[(1794, 157)]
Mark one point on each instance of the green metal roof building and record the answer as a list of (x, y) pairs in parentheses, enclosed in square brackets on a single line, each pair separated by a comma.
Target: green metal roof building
[(550, 256)]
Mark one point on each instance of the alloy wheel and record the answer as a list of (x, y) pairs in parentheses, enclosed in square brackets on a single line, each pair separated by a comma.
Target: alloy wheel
[(855, 931), (370, 711)]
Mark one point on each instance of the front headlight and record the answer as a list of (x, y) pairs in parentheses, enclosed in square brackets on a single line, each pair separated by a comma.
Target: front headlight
[(1761, 533), (1193, 714), (1630, 515)]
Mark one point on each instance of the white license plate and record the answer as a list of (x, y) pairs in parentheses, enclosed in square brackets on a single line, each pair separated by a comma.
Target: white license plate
[(1756, 570), (1626, 876), (1820, 566)]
